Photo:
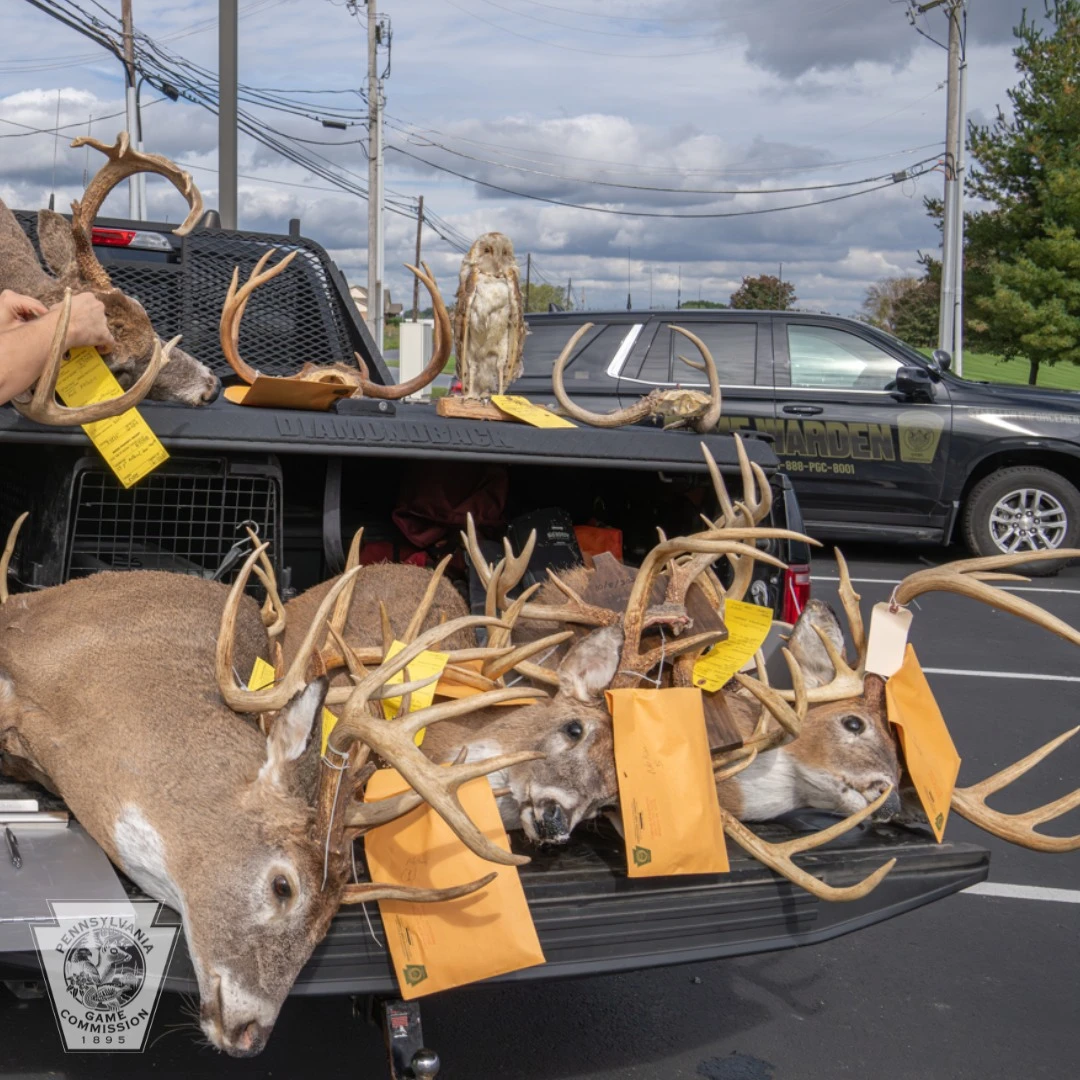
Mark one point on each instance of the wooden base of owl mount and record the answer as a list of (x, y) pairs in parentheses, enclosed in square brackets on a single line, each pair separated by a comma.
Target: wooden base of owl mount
[(468, 409)]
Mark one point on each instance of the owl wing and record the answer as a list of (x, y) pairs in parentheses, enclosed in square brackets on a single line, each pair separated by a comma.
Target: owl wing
[(516, 331), (462, 305)]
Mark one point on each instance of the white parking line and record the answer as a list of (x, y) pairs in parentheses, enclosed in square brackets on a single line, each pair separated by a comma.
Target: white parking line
[(1025, 892), (1001, 674), (896, 581)]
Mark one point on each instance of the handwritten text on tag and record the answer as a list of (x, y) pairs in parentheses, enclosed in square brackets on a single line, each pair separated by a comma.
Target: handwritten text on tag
[(126, 442), (748, 627)]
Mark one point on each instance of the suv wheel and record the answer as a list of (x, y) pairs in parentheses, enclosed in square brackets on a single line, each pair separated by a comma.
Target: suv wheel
[(1023, 509)]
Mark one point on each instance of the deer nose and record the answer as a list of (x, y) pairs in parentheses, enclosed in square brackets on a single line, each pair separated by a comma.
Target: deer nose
[(213, 388), (891, 806), (551, 823), (249, 1040)]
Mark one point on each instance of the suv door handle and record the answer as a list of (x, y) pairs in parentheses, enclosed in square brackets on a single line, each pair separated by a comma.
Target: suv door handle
[(803, 410)]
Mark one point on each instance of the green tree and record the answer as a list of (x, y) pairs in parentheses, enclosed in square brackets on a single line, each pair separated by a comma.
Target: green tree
[(692, 305), (539, 297), (1022, 255), (915, 314), (885, 298), (766, 292)]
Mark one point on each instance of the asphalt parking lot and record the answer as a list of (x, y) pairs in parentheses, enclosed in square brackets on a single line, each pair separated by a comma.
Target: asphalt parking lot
[(980, 985)]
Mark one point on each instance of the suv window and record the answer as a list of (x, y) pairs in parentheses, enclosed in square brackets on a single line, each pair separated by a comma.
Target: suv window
[(733, 346), (545, 341), (823, 356)]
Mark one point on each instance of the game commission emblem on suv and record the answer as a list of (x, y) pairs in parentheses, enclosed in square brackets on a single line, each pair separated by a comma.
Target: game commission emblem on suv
[(105, 964), (920, 432)]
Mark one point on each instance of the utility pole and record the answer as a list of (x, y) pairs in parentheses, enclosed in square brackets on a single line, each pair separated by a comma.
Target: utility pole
[(129, 81), (528, 278), (678, 294), (951, 253), (227, 76), (958, 224), (569, 294), (416, 280), (375, 305)]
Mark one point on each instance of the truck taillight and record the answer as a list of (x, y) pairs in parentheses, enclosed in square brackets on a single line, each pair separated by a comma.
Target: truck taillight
[(796, 591), (129, 238)]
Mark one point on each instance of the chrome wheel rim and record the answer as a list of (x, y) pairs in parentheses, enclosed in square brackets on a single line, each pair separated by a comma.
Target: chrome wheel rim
[(1028, 519)]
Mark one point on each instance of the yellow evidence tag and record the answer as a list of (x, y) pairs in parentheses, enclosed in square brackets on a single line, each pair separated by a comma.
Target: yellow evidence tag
[(523, 409), (667, 793), (428, 663), (438, 946), (126, 442), (263, 675), (748, 627), (928, 749)]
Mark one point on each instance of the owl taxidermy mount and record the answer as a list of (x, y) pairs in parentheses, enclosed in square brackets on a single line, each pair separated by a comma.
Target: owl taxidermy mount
[(489, 318)]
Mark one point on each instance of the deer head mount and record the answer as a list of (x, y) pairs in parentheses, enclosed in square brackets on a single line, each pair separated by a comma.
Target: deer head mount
[(678, 407), (249, 837), (143, 366), (236, 301)]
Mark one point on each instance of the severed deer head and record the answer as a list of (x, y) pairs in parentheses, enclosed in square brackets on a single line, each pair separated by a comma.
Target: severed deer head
[(140, 362), (115, 692)]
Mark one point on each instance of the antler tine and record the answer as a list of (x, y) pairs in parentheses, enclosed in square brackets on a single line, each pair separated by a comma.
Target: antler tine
[(956, 577), (472, 547), (778, 857), (273, 610), (9, 549), (232, 311), (440, 350), (711, 417), (277, 696), (498, 668), (43, 406), (362, 893), (791, 720), (387, 629), (340, 617), (516, 565), (727, 510), (970, 802), (538, 673), (849, 599), (426, 601), (501, 638)]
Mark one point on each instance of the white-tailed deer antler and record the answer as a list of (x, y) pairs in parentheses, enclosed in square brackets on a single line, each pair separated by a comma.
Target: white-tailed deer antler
[(686, 405), (122, 163), (45, 409), (9, 549), (969, 577), (778, 857), (442, 343)]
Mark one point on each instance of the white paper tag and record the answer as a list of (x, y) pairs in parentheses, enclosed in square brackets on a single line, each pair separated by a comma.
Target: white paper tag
[(887, 640)]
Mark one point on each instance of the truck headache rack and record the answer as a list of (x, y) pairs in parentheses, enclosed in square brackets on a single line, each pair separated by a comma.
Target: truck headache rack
[(304, 314)]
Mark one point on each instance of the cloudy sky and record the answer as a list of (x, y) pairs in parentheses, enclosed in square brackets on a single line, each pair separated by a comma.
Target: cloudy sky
[(697, 110)]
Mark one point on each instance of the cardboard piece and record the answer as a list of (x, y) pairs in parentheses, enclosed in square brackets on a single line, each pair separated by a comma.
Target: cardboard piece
[(439, 946), (928, 749), (667, 795), (272, 392)]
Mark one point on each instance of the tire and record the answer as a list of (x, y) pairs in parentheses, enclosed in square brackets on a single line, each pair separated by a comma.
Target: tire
[(1029, 496)]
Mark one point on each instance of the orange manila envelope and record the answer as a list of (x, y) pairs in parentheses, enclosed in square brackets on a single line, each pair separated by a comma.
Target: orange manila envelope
[(928, 749), (439, 946), (670, 812)]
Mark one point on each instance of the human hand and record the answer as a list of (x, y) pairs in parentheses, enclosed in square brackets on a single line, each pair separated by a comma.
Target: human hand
[(16, 308), (87, 325)]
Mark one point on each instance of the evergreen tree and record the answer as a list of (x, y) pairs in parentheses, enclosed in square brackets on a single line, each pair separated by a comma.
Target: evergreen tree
[(766, 292)]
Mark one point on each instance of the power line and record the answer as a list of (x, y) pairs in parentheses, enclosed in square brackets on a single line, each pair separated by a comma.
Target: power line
[(655, 213)]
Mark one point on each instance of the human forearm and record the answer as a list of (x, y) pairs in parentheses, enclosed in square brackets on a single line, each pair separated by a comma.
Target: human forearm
[(23, 351)]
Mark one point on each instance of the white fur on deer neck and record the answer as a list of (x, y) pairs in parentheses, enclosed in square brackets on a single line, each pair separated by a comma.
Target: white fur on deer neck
[(141, 850)]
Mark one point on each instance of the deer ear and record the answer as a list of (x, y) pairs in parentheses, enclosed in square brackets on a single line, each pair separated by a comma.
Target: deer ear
[(874, 694), (291, 731), (806, 646), (588, 668), (57, 243)]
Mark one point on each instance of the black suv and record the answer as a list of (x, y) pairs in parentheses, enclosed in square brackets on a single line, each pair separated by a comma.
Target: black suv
[(879, 441)]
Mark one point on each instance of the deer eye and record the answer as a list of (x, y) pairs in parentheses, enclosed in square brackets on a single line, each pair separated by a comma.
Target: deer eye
[(854, 724), (573, 730), (282, 888)]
